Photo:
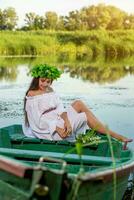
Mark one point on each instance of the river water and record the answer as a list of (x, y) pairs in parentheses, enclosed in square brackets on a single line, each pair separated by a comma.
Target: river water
[(111, 101)]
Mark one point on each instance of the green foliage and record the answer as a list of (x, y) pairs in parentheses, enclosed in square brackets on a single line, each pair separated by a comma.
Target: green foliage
[(90, 137), (76, 37), (67, 52), (84, 52), (8, 19), (68, 46), (34, 22), (94, 17), (51, 20), (79, 148), (45, 71)]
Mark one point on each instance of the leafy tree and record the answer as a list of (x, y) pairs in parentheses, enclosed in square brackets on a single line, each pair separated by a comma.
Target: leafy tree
[(30, 20), (129, 22), (51, 20), (96, 17), (83, 17), (131, 18), (2, 21), (61, 23), (34, 22), (8, 18), (39, 22), (117, 18), (91, 17), (103, 16), (73, 21)]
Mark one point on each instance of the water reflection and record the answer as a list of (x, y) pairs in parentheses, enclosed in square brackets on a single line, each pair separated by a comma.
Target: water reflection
[(102, 74), (8, 73), (93, 72)]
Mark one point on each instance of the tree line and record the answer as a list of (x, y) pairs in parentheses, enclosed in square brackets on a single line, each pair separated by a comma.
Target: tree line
[(98, 17)]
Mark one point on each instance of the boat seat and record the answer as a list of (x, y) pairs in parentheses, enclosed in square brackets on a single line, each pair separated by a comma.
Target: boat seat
[(71, 158), (17, 138)]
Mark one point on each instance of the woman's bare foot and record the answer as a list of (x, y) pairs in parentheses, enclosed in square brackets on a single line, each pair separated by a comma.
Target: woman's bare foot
[(125, 140)]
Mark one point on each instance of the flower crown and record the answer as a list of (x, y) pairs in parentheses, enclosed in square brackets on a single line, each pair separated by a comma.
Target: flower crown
[(45, 71)]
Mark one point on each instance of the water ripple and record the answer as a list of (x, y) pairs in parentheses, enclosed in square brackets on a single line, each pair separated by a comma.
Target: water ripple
[(14, 107)]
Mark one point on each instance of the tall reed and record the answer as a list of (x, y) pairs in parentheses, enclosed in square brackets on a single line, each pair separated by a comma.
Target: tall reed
[(68, 45)]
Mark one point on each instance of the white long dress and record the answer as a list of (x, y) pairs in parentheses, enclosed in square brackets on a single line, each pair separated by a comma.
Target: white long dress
[(43, 125)]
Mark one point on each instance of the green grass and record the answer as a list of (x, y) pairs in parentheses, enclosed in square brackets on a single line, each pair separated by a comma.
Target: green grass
[(67, 45)]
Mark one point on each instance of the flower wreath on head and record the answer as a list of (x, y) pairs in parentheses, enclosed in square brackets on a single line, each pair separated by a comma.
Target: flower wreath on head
[(45, 71)]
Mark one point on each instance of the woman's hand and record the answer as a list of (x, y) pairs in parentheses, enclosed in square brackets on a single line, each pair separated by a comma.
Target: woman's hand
[(61, 131), (67, 127)]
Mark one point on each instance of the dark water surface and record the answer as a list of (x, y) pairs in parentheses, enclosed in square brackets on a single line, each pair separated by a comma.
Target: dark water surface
[(110, 97)]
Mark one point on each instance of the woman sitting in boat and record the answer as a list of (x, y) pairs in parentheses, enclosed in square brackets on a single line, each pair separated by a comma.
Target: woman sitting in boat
[(45, 116)]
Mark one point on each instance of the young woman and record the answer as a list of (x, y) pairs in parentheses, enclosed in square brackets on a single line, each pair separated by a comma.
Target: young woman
[(45, 116)]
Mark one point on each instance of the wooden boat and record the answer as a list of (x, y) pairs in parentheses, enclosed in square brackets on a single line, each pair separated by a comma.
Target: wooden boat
[(32, 168)]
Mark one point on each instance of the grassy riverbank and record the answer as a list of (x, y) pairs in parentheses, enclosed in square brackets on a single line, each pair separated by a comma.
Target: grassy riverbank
[(68, 45)]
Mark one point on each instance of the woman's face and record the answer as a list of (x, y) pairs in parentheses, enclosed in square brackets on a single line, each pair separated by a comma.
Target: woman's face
[(44, 82)]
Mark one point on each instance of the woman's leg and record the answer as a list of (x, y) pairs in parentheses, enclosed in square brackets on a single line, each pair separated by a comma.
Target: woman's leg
[(93, 122)]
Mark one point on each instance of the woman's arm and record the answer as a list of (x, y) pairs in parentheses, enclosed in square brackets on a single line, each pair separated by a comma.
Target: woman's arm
[(63, 132)]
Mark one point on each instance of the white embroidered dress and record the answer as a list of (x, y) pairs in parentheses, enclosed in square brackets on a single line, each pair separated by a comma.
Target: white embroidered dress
[(43, 125)]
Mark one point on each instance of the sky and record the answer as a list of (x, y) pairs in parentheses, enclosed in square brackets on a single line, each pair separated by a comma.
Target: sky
[(61, 7)]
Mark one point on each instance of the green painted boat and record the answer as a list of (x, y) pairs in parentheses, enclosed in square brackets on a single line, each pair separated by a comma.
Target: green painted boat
[(32, 168)]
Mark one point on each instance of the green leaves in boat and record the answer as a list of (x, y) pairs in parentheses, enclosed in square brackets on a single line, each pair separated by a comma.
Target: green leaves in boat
[(88, 139)]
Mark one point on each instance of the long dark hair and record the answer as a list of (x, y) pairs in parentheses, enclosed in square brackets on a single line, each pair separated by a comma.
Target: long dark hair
[(34, 85)]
